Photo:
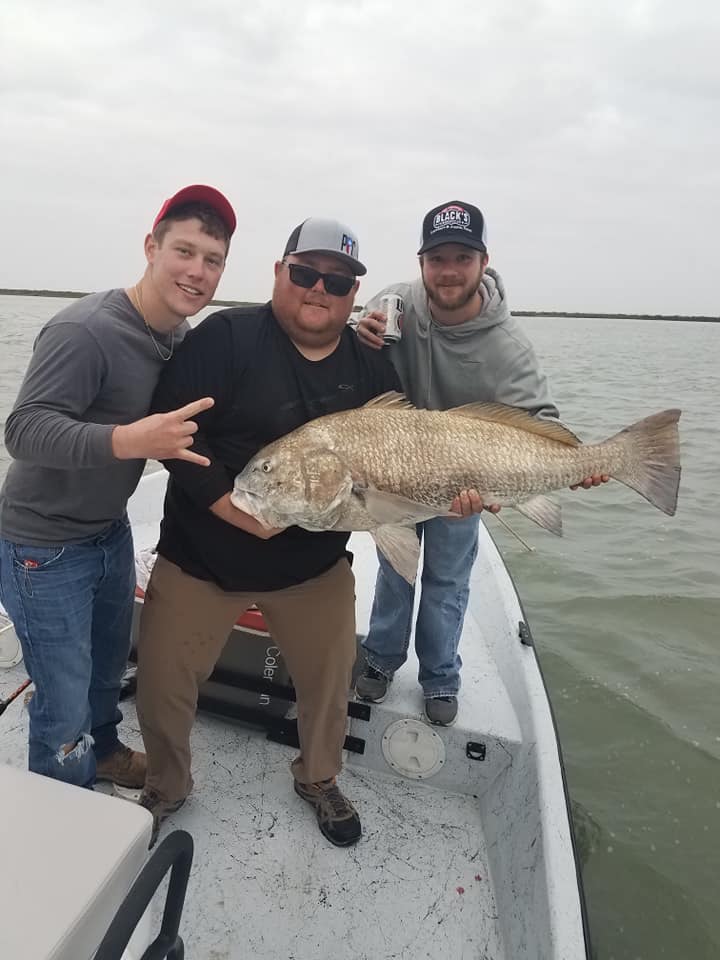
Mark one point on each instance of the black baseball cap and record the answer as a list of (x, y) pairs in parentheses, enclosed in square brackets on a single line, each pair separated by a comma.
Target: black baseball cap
[(454, 222)]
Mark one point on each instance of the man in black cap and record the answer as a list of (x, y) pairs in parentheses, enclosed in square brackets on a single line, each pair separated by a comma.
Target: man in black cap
[(460, 344), (79, 435), (270, 369)]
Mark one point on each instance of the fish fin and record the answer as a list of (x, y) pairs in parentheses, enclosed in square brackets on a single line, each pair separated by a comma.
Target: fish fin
[(543, 512), (390, 399), (653, 469), (520, 419), (401, 547), (391, 508)]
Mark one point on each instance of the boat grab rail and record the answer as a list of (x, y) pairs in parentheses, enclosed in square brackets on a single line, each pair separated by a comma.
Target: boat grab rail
[(175, 853)]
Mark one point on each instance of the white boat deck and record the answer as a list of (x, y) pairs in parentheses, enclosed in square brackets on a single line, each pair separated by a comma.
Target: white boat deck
[(474, 862), (266, 883)]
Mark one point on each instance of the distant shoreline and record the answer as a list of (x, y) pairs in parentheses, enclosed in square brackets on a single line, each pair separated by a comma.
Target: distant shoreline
[(74, 294)]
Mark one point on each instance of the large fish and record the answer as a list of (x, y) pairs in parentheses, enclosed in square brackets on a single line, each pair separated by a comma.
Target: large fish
[(386, 466)]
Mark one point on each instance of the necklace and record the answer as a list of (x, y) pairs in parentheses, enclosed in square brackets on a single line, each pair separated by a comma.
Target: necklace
[(135, 296)]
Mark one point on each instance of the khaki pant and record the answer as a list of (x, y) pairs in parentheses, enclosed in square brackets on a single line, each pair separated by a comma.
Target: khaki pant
[(184, 625)]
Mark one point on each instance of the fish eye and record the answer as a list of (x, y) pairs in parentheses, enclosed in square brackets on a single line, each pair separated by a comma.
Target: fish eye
[(266, 466)]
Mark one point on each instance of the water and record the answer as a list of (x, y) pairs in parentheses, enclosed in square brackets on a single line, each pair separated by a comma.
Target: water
[(625, 612)]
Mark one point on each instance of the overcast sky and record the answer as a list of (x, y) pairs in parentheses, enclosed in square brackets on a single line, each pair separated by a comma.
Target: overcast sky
[(587, 132)]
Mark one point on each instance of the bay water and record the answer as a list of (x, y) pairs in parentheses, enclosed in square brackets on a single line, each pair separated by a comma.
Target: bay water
[(625, 611)]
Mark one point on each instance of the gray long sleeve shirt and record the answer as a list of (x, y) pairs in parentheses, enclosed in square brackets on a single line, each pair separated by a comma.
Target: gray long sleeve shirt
[(488, 358), (93, 366)]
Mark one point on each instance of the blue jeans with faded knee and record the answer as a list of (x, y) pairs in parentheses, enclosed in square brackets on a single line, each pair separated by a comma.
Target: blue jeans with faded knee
[(72, 610), (449, 551)]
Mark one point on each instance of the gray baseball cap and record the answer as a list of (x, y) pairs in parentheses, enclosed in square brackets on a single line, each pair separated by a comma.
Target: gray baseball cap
[(317, 235)]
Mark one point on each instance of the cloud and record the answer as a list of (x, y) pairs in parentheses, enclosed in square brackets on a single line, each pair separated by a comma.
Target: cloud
[(584, 131)]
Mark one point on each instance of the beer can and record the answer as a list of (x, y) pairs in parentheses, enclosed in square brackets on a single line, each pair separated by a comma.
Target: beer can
[(394, 309)]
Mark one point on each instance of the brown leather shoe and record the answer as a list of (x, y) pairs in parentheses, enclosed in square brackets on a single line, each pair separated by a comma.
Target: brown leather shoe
[(125, 767)]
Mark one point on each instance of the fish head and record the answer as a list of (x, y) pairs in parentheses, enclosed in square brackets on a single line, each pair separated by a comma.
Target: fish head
[(284, 485)]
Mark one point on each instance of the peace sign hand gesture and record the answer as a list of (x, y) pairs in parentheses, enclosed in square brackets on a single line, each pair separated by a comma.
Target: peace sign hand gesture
[(161, 436)]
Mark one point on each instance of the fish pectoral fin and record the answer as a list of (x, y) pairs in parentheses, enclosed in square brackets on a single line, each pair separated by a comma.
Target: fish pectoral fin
[(386, 507), (401, 547), (543, 512)]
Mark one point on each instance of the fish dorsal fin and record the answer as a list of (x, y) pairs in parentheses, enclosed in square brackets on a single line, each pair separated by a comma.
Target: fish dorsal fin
[(520, 419), (390, 399)]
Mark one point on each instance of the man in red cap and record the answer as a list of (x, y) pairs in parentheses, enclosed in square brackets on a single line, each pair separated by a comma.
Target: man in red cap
[(79, 435)]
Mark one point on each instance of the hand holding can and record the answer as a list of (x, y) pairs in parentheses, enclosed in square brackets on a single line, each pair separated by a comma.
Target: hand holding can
[(393, 307)]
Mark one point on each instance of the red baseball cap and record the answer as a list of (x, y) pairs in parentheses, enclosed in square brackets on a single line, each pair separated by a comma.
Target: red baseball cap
[(199, 193)]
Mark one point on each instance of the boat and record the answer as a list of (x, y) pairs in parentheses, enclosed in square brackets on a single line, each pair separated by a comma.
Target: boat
[(467, 847), (10, 652)]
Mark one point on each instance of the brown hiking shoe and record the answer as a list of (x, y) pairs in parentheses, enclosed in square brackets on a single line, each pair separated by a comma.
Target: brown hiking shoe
[(336, 816), (123, 766), (159, 808)]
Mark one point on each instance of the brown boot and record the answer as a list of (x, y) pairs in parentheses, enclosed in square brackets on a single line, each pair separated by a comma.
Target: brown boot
[(123, 766)]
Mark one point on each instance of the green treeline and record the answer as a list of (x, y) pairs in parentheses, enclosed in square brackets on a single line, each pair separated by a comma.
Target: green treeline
[(517, 313)]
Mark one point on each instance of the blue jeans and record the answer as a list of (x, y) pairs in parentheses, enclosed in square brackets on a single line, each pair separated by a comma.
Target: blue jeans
[(450, 548), (72, 610)]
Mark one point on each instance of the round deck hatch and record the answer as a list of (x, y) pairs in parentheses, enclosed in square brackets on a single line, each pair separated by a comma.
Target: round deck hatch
[(413, 749)]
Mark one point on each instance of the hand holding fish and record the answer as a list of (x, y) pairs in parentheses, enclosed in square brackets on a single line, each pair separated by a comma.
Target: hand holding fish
[(225, 510), (593, 481), (161, 436), (370, 329), (468, 502)]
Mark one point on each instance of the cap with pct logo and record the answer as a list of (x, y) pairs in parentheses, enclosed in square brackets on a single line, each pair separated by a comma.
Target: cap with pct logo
[(200, 193), (454, 222), (316, 235)]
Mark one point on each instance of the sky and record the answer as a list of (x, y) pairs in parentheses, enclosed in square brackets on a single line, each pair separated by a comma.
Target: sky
[(587, 132)]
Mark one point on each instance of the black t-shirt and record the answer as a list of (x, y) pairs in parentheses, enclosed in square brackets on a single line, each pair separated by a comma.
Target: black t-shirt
[(263, 388)]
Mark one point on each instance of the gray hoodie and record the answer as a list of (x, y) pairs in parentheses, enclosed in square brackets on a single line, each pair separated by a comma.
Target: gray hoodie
[(487, 358)]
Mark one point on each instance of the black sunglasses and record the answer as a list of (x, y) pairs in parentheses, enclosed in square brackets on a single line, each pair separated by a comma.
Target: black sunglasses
[(335, 284)]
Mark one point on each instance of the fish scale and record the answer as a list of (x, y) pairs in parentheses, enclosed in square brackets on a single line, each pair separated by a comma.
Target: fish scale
[(429, 461)]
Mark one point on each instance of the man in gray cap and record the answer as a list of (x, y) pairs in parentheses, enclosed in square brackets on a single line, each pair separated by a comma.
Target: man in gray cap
[(270, 369), (460, 344)]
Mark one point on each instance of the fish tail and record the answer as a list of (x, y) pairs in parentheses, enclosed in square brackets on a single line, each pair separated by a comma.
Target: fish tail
[(652, 460)]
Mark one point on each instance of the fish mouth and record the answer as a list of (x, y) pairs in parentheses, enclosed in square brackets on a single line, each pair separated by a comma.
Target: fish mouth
[(246, 501)]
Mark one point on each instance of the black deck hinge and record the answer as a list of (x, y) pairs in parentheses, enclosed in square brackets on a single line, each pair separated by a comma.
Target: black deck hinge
[(358, 711), (526, 637), (475, 750), (287, 734)]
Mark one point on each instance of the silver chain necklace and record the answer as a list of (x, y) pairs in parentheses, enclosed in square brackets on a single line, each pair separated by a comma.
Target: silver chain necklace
[(136, 300)]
